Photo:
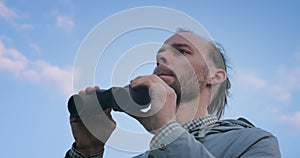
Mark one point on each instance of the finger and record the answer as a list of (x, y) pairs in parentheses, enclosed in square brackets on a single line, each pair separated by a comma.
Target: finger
[(81, 92), (74, 119), (141, 81), (134, 80), (138, 78), (89, 89), (108, 114), (97, 88), (107, 111), (157, 79)]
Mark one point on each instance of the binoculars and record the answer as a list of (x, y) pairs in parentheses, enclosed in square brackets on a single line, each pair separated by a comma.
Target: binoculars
[(118, 98)]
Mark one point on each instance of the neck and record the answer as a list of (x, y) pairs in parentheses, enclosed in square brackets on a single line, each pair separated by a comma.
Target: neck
[(193, 109)]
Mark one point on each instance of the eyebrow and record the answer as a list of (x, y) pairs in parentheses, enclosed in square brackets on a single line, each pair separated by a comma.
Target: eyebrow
[(177, 45)]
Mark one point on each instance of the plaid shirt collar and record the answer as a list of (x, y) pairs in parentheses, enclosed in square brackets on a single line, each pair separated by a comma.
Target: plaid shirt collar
[(201, 122), (199, 128)]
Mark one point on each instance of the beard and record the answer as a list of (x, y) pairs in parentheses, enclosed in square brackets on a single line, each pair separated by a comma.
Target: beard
[(186, 85)]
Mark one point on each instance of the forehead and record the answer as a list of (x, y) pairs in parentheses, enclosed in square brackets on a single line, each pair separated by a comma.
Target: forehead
[(189, 39)]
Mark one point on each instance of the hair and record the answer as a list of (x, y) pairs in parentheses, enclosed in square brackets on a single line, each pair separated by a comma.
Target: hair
[(220, 93)]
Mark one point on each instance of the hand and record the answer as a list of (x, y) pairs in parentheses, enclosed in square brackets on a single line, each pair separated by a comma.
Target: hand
[(103, 125), (163, 102)]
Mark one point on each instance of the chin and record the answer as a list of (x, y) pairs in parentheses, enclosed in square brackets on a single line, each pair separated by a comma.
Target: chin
[(176, 87)]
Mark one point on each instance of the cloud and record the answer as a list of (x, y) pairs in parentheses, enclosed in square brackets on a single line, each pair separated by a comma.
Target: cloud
[(41, 72), (11, 60), (280, 86), (11, 15), (65, 22), (293, 120), (252, 80), (7, 13)]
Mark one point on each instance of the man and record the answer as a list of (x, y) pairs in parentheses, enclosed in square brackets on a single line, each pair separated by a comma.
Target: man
[(188, 92)]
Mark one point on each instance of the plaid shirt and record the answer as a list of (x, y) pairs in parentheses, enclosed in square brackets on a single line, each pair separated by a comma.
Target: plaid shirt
[(165, 135), (173, 130)]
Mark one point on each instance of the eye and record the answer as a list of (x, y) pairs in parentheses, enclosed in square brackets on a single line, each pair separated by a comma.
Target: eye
[(183, 51)]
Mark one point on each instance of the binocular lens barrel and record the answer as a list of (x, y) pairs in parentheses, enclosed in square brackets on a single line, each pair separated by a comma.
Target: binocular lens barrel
[(117, 98)]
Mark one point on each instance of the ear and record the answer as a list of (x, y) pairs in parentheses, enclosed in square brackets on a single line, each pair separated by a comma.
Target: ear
[(218, 76)]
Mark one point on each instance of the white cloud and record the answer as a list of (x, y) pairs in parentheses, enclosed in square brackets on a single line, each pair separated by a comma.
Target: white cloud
[(288, 80), (289, 76), (11, 15), (65, 22), (293, 120), (7, 13), (280, 86), (252, 80), (11, 60), (41, 72)]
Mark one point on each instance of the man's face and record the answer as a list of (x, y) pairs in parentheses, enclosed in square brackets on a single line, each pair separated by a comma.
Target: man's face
[(181, 64)]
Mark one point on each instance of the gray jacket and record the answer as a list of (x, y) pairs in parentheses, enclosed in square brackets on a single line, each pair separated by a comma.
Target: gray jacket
[(228, 139)]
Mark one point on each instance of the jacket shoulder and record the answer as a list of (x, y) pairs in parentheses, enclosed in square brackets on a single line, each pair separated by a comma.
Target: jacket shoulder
[(236, 135)]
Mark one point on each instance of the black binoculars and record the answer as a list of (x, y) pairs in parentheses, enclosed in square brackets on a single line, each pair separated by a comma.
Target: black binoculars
[(117, 98)]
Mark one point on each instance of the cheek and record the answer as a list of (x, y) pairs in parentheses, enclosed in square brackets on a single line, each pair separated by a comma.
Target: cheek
[(180, 67), (200, 69), (183, 64)]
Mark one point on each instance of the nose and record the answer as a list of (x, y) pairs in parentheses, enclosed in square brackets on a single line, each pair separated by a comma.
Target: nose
[(163, 57)]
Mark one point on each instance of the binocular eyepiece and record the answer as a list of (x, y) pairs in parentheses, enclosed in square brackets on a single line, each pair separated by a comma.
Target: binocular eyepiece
[(117, 98)]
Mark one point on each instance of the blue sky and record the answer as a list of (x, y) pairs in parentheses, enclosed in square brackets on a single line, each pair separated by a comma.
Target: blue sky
[(39, 42)]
